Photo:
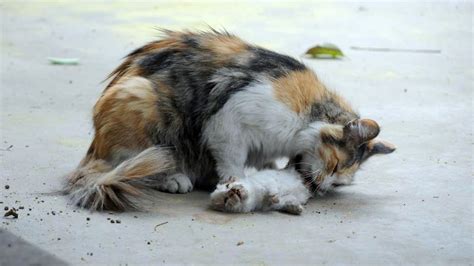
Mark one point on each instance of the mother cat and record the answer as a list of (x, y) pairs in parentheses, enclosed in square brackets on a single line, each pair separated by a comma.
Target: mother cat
[(196, 108)]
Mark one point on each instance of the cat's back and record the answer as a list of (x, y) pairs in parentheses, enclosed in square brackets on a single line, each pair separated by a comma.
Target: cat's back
[(199, 59)]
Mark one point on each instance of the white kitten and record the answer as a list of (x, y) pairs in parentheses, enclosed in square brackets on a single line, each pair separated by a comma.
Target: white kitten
[(266, 190)]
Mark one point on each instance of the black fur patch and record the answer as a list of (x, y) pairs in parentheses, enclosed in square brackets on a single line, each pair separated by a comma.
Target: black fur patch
[(156, 62), (274, 64), (329, 111)]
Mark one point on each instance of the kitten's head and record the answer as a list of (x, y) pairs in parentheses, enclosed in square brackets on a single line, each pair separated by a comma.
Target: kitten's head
[(341, 152)]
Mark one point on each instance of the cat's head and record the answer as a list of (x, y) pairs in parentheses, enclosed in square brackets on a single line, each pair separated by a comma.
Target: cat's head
[(340, 153)]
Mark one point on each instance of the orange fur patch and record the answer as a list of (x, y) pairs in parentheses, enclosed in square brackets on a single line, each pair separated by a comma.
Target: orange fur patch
[(224, 47), (299, 90), (333, 156), (121, 117)]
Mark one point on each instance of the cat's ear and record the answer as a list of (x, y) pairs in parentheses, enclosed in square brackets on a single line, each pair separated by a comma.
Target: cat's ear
[(378, 146), (361, 130)]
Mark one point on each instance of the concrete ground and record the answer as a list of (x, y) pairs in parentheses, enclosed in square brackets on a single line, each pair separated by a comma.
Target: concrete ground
[(411, 207)]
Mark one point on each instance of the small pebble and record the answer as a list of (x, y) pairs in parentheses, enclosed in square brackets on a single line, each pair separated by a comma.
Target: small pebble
[(6, 208), (7, 186), (88, 219)]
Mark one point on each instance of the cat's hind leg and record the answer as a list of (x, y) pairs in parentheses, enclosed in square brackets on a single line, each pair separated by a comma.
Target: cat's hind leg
[(287, 203)]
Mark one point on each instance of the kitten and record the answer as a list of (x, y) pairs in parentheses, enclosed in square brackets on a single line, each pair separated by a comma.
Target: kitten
[(266, 190), (195, 108)]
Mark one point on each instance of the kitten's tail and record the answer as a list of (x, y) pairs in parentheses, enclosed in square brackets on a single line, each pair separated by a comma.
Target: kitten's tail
[(98, 185)]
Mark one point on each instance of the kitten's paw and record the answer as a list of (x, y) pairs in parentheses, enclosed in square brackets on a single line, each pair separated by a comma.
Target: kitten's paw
[(229, 197), (177, 183), (235, 197), (295, 209)]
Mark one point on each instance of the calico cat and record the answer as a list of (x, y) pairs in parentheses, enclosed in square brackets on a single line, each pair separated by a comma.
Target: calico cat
[(196, 108)]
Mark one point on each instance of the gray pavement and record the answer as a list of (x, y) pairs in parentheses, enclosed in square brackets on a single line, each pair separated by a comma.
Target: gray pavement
[(411, 207)]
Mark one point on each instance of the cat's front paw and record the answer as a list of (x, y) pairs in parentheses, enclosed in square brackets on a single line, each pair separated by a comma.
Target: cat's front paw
[(229, 197), (343, 181)]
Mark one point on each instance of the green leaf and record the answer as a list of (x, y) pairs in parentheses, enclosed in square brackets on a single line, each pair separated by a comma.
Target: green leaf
[(325, 50), (63, 61)]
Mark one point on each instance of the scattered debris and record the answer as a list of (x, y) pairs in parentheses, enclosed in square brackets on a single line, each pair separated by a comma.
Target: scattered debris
[(7, 186), (240, 243), (159, 225), (63, 61), (118, 221), (325, 50), (11, 212)]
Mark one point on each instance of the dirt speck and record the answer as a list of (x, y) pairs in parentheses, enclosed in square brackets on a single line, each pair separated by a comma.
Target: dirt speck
[(240, 243), (11, 212)]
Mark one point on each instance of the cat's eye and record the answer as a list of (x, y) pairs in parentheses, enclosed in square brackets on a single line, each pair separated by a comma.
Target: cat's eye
[(335, 168)]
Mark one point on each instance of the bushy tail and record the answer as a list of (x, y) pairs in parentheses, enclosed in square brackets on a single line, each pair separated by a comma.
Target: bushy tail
[(97, 185)]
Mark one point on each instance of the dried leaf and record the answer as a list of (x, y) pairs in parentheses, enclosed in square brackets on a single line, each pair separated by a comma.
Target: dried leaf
[(325, 50), (63, 61)]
